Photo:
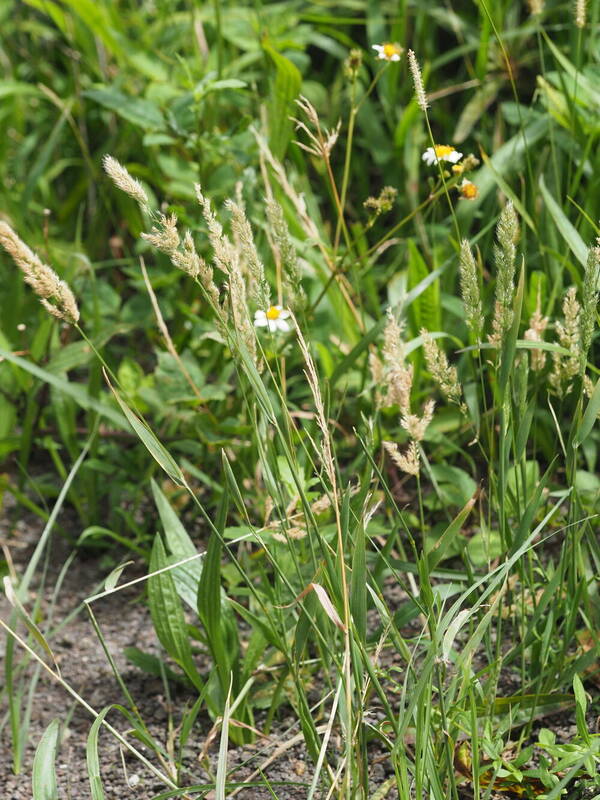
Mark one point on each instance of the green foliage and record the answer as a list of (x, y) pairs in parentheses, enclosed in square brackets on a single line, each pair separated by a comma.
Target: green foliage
[(329, 541)]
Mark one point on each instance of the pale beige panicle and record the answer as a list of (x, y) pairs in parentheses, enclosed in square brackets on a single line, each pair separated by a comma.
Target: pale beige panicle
[(321, 505), (398, 373), (469, 288), (126, 182), (536, 7), (55, 295), (258, 286), (285, 252), (535, 333), (442, 373), (580, 13), (590, 293), (418, 81), (164, 235), (409, 461), (505, 253), (415, 425), (565, 368), (313, 382)]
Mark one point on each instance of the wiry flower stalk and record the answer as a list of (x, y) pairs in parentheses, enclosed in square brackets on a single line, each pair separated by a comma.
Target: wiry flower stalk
[(505, 253), (442, 373), (418, 81), (469, 287), (55, 295), (125, 181)]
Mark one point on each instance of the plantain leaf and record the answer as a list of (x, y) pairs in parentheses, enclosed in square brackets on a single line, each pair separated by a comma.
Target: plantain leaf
[(91, 756), (285, 87), (167, 614), (43, 778)]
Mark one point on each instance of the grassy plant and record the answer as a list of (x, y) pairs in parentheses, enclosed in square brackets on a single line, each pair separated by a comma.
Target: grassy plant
[(368, 378)]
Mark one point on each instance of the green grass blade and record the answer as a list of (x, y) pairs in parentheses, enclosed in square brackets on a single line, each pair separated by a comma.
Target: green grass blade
[(43, 778), (91, 756), (74, 390), (150, 442), (564, 226)]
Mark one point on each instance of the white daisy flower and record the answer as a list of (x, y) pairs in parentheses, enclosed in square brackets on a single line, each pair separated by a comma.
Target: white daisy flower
[(274, 319), (441, 152), (388, 51)]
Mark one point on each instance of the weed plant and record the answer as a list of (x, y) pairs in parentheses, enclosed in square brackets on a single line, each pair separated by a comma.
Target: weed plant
[(349, 330)]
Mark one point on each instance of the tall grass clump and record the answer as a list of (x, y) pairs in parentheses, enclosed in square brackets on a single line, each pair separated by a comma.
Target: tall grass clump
[(366, 401)]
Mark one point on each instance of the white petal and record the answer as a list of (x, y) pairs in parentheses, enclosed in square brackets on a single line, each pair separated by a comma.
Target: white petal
[(260, 322), (395, 57), (378, 47), (284, 314), (454, 156), (260, 315), (282, 325), (272, 323)]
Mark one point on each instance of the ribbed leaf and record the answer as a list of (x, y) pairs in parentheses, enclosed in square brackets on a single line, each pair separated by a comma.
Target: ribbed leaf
[(43, 779), (167, 614)]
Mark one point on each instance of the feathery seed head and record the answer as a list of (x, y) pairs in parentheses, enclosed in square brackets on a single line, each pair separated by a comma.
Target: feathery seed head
[(55, 295), (409, 461), (442, 373), (418, 81), (469, 287), (124, 181)]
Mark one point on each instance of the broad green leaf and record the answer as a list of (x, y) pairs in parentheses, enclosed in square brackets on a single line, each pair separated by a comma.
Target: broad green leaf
[(17, 87), (74, 390), (176, 536), (180, 546), (565, 227), (43, 776), (285, 87), (426, 308), (99, 19), (167, 614), (91, 756), (152, 665), (142, 113), (436, 554)]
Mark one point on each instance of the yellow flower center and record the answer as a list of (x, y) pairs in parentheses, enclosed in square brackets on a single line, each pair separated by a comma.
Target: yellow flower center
[(273, 313), (468, 190), (390, 50), (442, 150)]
